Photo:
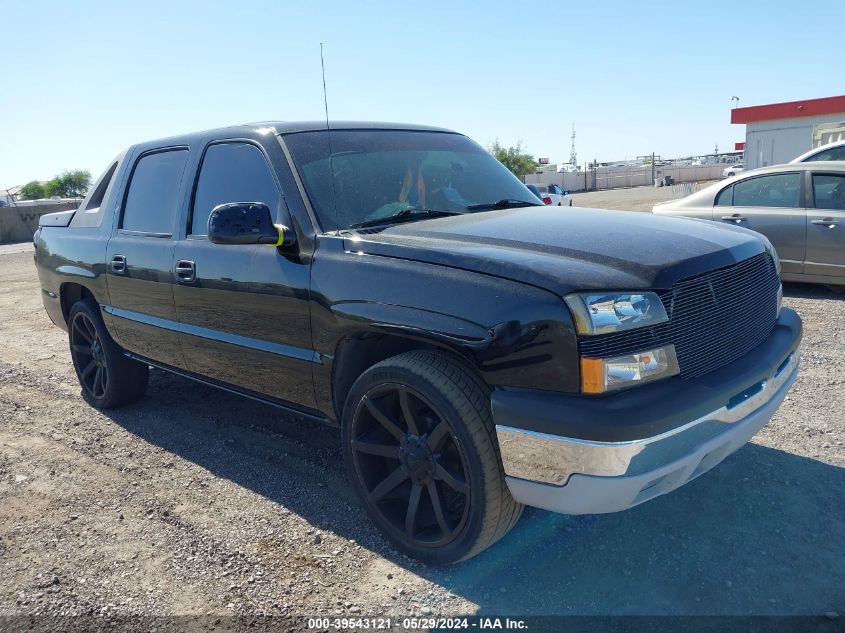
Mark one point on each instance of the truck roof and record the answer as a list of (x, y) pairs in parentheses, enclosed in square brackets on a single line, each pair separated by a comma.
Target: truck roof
[(292, 127)]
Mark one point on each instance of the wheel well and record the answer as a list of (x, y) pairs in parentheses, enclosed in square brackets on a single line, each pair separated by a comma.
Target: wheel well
[(357, 354), (70, 293)]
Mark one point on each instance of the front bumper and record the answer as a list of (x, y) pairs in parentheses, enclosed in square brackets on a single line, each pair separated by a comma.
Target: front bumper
[(578, 475)]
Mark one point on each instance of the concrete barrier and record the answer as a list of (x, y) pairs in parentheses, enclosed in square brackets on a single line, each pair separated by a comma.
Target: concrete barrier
[(19, 223)]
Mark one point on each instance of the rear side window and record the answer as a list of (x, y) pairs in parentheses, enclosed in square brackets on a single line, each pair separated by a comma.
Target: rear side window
[(725, 197), (232, 172), (834, 153), (153, 196), (829, 192), (91, 214), (777, 190)]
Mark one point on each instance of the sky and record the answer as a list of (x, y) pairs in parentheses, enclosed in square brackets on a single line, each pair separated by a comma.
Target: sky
[(83, 80)]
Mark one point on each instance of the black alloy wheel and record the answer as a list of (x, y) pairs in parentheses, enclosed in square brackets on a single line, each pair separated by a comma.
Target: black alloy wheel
[(89, 356), (109, 378), (420, 448), (411, 466)]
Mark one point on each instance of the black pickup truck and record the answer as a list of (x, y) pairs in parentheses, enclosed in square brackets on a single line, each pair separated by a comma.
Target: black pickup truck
[(478, 351)]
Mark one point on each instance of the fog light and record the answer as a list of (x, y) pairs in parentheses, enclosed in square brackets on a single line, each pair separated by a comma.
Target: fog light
[(600, 375)]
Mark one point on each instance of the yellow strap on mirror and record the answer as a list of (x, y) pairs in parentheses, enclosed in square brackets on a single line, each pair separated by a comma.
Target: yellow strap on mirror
[(281, 239)]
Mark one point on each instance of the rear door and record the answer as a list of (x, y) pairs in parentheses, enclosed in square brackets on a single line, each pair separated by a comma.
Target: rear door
[(243, 309), (826, 226), (139, 257), (770, 204)]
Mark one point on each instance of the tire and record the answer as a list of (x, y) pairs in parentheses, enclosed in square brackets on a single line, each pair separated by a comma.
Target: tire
[(731, 174), (108, 378), (435, 485)]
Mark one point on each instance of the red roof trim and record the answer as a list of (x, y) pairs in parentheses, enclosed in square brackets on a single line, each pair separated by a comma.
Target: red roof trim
[(789, 110)]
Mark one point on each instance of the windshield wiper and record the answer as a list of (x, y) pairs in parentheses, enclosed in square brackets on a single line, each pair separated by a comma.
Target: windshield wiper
[(405, 215), (505, 203)]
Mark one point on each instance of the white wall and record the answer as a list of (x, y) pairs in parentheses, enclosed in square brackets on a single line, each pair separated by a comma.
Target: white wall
[(616, 177), (777, 142)]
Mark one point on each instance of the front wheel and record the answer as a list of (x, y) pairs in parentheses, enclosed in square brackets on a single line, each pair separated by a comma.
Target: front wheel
[(108, 378), (420, 448)]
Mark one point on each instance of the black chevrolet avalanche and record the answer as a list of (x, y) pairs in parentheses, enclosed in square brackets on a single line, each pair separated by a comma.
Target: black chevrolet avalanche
[(478, 351)]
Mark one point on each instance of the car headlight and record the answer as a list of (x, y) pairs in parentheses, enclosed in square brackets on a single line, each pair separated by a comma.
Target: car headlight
[(597, 313), (603, 313), (600, 375)]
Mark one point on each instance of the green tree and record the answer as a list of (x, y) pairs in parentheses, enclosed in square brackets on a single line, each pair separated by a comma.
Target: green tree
[(33, 191), (70, 184), (514, 158)]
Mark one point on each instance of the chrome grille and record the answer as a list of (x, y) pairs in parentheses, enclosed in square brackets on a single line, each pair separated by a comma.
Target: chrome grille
[(714, 318)]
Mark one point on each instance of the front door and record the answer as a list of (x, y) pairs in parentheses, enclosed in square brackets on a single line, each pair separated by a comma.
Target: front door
[(139, 259), (243, 309), (770, 204), (826, 226)]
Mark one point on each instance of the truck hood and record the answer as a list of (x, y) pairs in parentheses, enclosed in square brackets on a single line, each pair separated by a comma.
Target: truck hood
[(566, 249)]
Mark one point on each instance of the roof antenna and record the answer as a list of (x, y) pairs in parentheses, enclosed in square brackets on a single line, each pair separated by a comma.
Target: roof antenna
[(329, 133)]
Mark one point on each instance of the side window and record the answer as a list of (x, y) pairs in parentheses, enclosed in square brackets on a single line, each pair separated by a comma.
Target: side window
[(777, 190), (153, 196), (834, 153), (96, 198), (725, 197), (91, 215), (829, 192), (232, 172)]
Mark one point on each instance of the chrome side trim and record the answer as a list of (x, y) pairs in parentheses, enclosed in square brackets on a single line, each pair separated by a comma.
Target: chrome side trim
[(278, 349), (552, 459)]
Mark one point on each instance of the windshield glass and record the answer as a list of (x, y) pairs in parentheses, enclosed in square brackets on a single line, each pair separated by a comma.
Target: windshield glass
[(381, 173)]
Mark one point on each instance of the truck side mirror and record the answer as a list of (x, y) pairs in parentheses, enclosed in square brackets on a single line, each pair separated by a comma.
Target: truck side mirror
[(247, 223)]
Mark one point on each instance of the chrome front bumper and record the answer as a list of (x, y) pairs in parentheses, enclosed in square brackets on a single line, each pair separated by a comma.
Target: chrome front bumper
[(576, 476)]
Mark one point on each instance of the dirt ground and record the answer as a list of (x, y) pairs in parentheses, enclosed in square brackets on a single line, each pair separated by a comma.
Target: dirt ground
[(195, 501), (636, 198)]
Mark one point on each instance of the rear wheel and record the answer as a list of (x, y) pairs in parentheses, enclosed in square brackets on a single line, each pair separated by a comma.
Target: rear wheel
[(421, 451), (108, 378)]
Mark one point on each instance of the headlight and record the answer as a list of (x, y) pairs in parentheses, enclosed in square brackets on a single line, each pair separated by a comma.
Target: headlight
[(602, 313), (600, 375)]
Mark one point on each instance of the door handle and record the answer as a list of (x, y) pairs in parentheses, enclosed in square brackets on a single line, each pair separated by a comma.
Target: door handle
[(118, 265), (186, 271), (828, 222), (736, 217)]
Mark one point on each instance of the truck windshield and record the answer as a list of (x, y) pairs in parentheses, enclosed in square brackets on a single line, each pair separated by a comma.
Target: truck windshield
[(379, 174)]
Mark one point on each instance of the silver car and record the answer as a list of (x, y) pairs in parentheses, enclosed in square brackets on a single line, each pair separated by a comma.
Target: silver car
[(831, 151), (800, 207)]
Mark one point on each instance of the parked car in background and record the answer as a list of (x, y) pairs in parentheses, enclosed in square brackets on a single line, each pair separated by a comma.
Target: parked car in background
[(831, 151), (733, 170), (544, 198), (554, 195), (800, 207), (560, 197)]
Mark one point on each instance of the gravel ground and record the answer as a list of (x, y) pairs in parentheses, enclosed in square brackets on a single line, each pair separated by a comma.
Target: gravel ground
[(635, 198), (194, 501)]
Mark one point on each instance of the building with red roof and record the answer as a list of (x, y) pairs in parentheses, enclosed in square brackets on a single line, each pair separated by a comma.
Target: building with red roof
[(778, 132)]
